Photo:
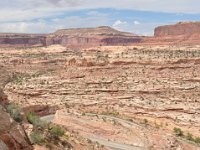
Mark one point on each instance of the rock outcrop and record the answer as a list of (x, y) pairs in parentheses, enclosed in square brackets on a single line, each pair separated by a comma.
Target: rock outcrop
[(12, 135), (86, 37), (181, 28), (180, 33), (22, 40), (80, 37)]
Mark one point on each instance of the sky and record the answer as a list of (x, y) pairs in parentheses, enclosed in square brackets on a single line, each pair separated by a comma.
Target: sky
[(136, 16)]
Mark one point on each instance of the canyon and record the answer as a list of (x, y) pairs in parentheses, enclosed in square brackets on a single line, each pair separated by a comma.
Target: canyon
[(109, 89)]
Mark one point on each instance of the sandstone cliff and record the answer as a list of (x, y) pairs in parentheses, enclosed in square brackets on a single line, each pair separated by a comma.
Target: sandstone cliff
[(81, 37), (180, 33), (7, 40), (86, 37), (181, 28)]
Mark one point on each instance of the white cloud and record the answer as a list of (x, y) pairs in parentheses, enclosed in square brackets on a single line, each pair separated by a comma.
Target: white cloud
[(136, 22), (26, 15), (176, 6), (119, 24), (43, 26)]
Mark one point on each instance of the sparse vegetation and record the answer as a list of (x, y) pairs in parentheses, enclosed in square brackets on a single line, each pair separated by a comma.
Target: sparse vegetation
[(36, 121), (15, 112), (56, 131), (110, 113), (36, 137), (190, 137), (43, 132), (145, 122), (178, 132), (197, 140)]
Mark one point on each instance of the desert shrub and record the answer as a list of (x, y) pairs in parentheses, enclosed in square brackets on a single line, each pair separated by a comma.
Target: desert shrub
[(110, 113), (36, 121), (190, 137), (36, 137), (56, 131), (130, 120), (32, 118), (197, 140), (178, 132), (15, 112), (145, 122)]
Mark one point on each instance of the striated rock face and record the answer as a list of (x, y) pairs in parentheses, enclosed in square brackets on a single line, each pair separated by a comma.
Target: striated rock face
[(7, 40), (86, 37), (181, 28), (81, 37), (134, 83), (180, 33)]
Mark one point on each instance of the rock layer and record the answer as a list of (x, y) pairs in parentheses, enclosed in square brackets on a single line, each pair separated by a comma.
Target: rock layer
[(22, 40), (159, 84), (81, 37), (87, 37), (180, 33), (181, 28)]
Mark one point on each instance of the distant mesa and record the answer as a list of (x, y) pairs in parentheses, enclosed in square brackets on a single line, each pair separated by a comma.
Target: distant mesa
[(102, 30), (181, 33), (181, 28)]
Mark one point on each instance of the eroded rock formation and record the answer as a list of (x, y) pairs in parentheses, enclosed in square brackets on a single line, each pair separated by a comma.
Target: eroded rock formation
[(180, 33), (181, 28), (22, 40), (86, 37), (81, 37), (12, 135)]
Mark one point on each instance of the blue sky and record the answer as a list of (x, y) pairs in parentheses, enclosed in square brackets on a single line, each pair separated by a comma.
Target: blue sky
[(136, 16)]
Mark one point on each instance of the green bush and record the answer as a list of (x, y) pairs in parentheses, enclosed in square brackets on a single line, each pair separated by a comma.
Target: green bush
[(15, 112), (36, 121), (178, 132), (36, 137), (197, 140), (32, 118), (56, 131), (190, 137)]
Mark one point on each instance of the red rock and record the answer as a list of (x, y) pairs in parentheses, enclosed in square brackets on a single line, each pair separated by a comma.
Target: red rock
[(88, 37), (181, 28), (21, 40)]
